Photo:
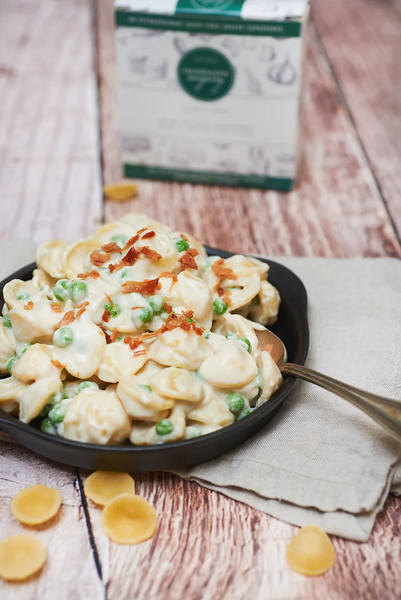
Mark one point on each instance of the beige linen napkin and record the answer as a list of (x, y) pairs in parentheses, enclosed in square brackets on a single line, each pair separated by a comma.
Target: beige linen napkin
[(320, 460)]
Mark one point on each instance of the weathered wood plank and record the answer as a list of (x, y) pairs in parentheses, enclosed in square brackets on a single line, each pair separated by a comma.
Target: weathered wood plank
[(49, 160), (70, 571), (365, 62)]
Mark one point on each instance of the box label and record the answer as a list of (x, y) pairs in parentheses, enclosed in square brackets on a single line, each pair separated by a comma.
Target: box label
[(228, 7), (205, 74)]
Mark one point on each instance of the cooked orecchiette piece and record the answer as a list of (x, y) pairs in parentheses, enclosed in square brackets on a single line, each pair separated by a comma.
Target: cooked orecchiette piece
[(270, 375), (179, 384), (117, 232), (80, 347), (167, 430), (265, 309), (36, 362), (36, 395), (141, 401), (96, 417), (212, 410), (118, 359), (49, 258), (10, 390), (239, 328), (74, 256), (43, 282), (194, 295), (7, 347), (179, 348), (138, 221), (231, 366)]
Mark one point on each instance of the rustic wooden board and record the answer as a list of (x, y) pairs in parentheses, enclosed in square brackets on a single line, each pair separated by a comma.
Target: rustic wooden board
[(49, 156), (368, 70)]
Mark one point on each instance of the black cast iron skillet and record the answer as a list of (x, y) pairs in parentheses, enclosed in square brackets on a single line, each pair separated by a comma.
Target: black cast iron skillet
[(291, 327)]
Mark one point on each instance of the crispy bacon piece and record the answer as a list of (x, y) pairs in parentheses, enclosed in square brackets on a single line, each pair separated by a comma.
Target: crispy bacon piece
[(168, 308), (67, 319), (173, 277), (187, 260), (149, 253), (149, 234), (173, 321), (131, 242), (135, 342), (56, 307), (99, 259), (57, 364), (220, 291), (227, 297), (80, 312), (109, 299), (29, 305), (139, 352), (114, 335), (106, 316), (141, 230), (111, 248), (198, 330), (221, 271), (92, 274), (148, 287), (83, 304), (184, 237)]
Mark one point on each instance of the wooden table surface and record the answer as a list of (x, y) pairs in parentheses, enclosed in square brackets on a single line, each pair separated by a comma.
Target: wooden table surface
[(58, 139)]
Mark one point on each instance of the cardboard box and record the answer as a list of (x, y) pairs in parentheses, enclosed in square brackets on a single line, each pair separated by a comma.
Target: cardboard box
[(209, 90)]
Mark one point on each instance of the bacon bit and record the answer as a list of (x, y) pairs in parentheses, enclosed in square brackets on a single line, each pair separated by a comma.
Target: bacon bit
[(111, 248), (112, 268), (67, 319), (80, 312), (114, 335), (99, 259), (106, 316), (187, 260), (268, 348), (139, 352), (148, 286), (168, 308), (109, 299), (172, 322), (149, 253), (57, 364), (141, 230), (56, 307), (148, 235), (135, 342), (221, 271), (106, 335), (83, 304), (227, 298), (198, 330), (184, 237), (131, 242), (92, 274), (173, 276), (220, 291), (29, 305), (188, 314)]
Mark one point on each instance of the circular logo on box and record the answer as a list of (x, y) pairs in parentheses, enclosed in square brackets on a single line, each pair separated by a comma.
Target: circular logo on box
[(206, 74), (212, 5)]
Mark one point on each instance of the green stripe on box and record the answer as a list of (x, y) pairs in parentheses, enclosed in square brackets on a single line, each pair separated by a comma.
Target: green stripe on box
[(230, 8), (207, 24), (283, 184)]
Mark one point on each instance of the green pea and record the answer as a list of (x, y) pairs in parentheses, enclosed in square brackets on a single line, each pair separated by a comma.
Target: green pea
[(189, 320), (85, 385), (244, 413), (247, 344), (210, 260), (78, 291), (147, 388), (145, 314), (156, 303), (7, 321), (164, 427), (206, 335), (63, 337), (113, 309), (60, 289), (22, 348), (11, 363), (119, 239), (56, 415), (180, 244), (23, 296), (219, 306), (47, 426), (235, 403), (69, 391)]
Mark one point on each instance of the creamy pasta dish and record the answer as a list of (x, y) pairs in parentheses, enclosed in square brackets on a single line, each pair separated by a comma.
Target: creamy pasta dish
[(136, 334)]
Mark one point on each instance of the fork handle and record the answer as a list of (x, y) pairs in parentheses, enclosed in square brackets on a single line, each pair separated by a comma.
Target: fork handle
[(383, 410)]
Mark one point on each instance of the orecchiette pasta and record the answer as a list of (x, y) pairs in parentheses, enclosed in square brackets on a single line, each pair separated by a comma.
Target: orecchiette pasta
[(134, 333)]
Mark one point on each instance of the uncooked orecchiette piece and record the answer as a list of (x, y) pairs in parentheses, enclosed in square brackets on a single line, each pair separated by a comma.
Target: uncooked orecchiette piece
[(180, 384), (140, 400), (80, 347), (266, 307), (231, 366), (118, 359), (74, 256), (7, 347), (49, 257), (179, 348), (237, 327), (194, 295), (32, 317), (138, 221), (96, 417), (169, 429), (212, 411), (35, 397), (270, 375)]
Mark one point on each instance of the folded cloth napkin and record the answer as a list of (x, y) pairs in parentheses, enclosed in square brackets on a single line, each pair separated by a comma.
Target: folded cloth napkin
[(320, 460)]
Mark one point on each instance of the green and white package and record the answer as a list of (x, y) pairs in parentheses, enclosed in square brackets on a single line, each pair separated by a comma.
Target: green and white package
[(209, 90)]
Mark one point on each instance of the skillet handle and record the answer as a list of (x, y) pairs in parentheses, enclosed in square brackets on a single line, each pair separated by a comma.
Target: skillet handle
[(383, 410)]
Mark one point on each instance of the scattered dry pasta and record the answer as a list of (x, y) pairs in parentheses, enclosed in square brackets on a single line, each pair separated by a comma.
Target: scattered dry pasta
[(129, 519), (136, 334), (36, 504), (310, 552), (120, 191), (20, 557), (103, 486)]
